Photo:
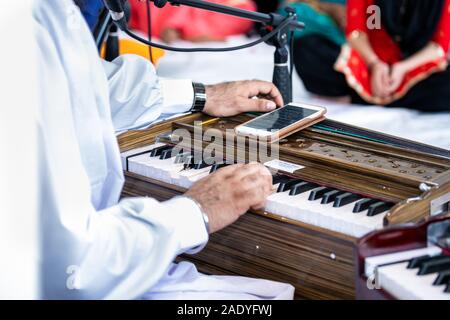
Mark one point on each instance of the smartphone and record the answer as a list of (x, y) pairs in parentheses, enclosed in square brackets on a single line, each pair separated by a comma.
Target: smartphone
[(273, 125)]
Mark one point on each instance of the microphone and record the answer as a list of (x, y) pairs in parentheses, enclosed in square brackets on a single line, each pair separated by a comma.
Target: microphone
[(117, 12), (282, 26)]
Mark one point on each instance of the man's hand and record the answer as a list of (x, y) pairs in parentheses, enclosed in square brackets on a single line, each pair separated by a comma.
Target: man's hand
[(232, 98), (232, 191)]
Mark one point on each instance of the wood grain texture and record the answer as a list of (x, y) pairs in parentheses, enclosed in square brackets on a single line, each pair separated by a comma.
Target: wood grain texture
[(318, 262), (319, 266)]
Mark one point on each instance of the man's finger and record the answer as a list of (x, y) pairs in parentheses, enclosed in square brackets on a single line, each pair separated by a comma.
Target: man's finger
[(229, 170), (246, 170), (261, 105), (265, 88)]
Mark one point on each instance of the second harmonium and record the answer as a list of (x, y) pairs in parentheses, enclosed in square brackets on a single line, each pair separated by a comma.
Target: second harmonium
[(335, 183)]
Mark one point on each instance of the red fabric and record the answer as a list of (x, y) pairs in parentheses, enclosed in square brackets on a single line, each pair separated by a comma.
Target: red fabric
[(354, 67), (191, 22)]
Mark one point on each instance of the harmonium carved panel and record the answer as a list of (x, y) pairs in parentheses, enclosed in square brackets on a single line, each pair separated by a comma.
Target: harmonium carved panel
[(335, 183)]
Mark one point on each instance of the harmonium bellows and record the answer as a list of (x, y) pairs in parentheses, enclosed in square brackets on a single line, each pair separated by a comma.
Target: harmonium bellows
[(335, 184)]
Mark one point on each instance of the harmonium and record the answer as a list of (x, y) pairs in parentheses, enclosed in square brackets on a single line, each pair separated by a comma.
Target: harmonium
[(335, 183), (405, 262)]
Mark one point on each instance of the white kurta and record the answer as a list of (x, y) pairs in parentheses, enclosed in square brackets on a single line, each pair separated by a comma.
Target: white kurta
[(94, 247)]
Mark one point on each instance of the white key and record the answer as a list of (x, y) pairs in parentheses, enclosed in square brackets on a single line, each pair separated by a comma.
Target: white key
[(372, 263), (326, 216), (166, 170), (403, 283), (188, 177), (125, 154), (151, 167), (293, 207), (148, 167)]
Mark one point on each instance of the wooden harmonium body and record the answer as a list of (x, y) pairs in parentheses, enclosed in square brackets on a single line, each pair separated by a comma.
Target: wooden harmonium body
[(336, 184), (405, 262)]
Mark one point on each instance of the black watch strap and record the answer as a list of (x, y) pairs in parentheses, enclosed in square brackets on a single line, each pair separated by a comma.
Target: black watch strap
[(199, 97)]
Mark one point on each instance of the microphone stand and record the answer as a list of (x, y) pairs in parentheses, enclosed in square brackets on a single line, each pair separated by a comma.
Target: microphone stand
[(281, 73), (107, 30), (101, 29)]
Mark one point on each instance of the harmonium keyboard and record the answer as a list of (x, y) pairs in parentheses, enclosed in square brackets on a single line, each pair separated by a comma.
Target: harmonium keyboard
[(406, 262), (335, 183)]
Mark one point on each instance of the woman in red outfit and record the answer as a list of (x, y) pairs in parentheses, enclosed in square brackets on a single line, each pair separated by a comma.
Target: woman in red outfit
[(172, 23), (401, 62)]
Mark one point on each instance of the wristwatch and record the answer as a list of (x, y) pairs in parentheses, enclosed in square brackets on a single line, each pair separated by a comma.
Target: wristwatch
[(199, 97)]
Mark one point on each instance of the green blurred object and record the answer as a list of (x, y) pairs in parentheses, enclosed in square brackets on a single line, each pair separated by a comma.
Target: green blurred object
[(317, 22)]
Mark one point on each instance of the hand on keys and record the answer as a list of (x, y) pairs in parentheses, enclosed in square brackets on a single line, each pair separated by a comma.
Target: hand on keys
[(231, 191)]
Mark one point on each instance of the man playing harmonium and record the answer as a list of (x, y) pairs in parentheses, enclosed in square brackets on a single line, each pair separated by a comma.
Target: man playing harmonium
[(95, 247)]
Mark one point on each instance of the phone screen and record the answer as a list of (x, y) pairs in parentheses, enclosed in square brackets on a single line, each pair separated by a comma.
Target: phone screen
[(280, 118)]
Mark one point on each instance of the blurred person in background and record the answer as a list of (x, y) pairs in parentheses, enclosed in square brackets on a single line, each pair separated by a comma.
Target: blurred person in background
[(267, 6), (91, 11), (399, 62), (324, 34), (173, 23)]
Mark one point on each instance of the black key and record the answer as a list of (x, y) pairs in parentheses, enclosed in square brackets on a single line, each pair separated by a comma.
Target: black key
[(200, 165), (344, 199), (330, 196), (277, 178), (287, 185), (417, 262), (189, 162), (363, 205), (433, 266), (203, 164), (442, 278), (379, 207), (218, 166), (196, 162), (157, 151), (302, 187), (182, 157), (447, 290), (169, 153), (318, 193)]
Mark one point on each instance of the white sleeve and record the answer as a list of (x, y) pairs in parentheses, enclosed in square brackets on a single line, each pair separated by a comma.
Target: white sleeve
[(178, 95), (181, 216), (117, 253), (138, 96)]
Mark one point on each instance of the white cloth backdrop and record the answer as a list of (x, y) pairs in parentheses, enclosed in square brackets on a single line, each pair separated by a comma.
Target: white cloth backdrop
[(19, 220), (257, 63)]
